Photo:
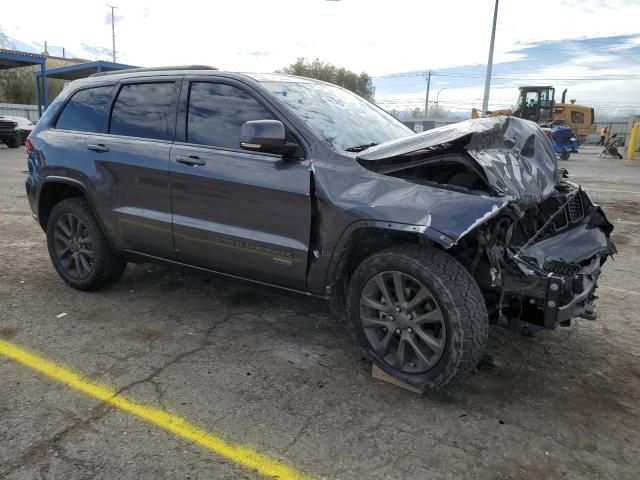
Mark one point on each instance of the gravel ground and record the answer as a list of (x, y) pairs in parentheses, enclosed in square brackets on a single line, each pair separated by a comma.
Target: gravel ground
[(275, 371)]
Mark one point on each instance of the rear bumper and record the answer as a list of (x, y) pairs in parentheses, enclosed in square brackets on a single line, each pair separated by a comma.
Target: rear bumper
[(32, 190)]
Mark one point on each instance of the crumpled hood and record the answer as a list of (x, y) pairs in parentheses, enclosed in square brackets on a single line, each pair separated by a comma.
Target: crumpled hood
[(515, 155)]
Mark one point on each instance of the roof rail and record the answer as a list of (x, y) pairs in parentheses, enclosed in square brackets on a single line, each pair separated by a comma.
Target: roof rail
[(156, 69)]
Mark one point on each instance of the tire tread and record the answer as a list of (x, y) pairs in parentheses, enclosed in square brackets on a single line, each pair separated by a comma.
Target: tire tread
[(111, 266), (465, 297)]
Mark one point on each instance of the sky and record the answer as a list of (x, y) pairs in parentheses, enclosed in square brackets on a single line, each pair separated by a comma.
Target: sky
[(591, 47)]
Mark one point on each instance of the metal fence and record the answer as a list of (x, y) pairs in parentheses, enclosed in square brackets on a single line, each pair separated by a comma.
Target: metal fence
[(615, 125), (17, 110), (423, 125)]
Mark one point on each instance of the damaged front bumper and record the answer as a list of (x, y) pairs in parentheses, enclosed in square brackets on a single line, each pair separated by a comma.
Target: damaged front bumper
[(552, 299), (559, 273)]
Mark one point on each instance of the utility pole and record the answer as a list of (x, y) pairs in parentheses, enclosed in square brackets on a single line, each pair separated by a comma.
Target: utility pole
[(426, 100), (113, 31), (487, 82)]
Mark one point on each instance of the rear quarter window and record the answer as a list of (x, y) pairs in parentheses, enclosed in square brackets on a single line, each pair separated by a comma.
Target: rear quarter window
[(86, 110)]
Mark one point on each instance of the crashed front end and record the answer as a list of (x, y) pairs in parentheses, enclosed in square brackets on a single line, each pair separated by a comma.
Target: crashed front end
[(539, 267), (533, 240)]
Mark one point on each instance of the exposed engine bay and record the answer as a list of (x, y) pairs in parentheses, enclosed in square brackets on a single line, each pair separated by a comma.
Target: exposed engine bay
[(540, 265), (537, 253)]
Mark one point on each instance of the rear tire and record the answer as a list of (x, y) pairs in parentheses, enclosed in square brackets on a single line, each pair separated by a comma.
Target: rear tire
[(444, 329), (78, 249), (565, 155)]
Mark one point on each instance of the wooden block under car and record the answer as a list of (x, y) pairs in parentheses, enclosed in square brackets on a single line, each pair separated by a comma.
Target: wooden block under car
[(379, 374)]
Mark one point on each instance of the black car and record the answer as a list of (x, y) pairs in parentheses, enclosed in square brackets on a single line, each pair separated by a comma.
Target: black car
[(422, 239), (24, 126), (9, 133)]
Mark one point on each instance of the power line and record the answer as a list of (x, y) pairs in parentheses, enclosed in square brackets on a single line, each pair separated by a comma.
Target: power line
[(516, 76)]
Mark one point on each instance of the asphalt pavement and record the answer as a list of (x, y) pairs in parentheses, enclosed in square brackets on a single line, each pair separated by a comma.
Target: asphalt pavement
[(142, 379)]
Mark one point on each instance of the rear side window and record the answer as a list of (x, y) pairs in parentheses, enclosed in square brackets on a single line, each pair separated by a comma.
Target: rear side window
[(86, 110), (144, 110), (217, 112)]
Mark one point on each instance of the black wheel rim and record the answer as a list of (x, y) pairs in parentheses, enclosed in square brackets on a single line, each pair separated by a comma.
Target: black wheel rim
[(402, 322), (73, 246)]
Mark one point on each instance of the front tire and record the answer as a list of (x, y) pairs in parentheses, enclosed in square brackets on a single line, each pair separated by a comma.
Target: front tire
[(15, 143), (418, 314), (78, 249), (565, 155)]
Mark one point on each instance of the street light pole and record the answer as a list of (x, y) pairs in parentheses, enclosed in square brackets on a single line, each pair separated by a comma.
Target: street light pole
[(426, 100), (487, 82), (113, 32)]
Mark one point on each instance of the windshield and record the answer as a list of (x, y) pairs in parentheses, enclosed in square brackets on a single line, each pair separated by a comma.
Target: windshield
[(340, 117)]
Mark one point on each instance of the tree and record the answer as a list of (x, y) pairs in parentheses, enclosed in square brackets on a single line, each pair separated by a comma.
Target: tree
[(357, 83), (18, 85)]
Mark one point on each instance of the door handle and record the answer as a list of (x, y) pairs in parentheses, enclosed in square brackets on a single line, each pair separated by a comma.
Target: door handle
[(191, 160), (98, 147)]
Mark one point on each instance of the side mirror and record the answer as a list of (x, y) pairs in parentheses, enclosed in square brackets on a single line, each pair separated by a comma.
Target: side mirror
[(266, 136)]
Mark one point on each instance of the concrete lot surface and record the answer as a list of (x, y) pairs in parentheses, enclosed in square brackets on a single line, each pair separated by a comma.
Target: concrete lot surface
[(275, 372)]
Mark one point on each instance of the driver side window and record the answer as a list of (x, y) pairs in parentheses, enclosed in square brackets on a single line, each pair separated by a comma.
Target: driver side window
[(217, 112)]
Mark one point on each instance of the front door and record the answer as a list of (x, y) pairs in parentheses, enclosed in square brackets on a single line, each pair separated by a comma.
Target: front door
[(239, 212)]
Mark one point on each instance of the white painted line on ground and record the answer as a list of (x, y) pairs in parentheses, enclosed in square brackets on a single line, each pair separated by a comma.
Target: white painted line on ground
[(620, 290), (626, 192)]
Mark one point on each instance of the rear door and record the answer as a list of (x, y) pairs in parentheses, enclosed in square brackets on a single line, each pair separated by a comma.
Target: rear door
[(132, 163), (235, 211)]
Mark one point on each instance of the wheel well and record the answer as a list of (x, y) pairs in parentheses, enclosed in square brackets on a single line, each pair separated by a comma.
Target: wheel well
[(363, 243), (51, 194)]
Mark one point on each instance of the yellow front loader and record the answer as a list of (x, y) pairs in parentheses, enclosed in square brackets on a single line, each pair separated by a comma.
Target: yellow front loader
[(537, 103)]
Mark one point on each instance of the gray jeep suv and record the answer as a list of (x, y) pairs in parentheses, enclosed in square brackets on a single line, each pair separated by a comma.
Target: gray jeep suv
[(423, 239)]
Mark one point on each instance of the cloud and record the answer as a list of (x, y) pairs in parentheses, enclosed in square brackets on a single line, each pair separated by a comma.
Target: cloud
[(96, 53), (376, 36), (601, 72), (117, 17)]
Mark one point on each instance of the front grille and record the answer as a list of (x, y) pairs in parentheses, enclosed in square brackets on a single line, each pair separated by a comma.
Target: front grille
[(561, 268), (7, 125), (575, 210), (560, 221)]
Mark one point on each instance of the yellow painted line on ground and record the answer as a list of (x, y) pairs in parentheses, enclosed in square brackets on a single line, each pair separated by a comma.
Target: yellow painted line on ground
[(241, 455)]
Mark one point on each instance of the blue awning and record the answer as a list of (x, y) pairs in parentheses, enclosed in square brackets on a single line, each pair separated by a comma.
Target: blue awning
[(83, 70)]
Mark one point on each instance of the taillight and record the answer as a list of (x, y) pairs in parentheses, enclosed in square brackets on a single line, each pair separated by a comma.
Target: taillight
[(28, 145)]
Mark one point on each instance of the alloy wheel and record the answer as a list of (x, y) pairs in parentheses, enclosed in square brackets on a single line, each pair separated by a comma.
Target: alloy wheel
[(73, 246), (402, 322)]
